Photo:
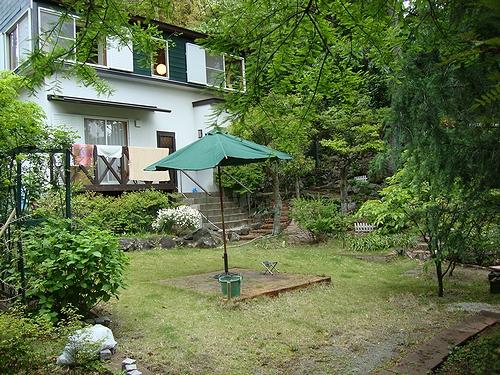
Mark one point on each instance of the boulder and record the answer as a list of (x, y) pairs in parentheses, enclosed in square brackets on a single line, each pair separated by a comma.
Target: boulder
[(92, 339), (144, 243), (127, 244), (167, 243), (233, 236), (202, 237)]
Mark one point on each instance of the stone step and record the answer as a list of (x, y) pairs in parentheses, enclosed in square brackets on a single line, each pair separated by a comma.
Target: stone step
[(229, 211), (231, 223), (216, 206), (227, 216)]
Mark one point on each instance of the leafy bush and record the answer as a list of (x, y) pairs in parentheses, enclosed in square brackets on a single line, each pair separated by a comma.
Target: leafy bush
[(177, 220), (250, 175), (72, 264), (129, 213), (376, 241), (29, 344), (322, 218)]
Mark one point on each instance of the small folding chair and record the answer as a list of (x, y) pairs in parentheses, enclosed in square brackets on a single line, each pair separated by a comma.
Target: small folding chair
[(270, 267)]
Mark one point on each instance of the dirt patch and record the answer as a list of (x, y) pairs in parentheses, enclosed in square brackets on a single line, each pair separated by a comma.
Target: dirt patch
[(254, 283)]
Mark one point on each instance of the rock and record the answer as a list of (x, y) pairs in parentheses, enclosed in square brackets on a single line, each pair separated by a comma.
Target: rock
[(144, 244), (244, 231), (105, 355), (93, 338), (127, 244), (233, 236), (128, 361), (167, 243), (202, 237), (131, 367), (134, 372), (104, 320)]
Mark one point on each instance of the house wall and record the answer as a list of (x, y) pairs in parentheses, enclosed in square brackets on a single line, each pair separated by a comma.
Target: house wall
[(132, 83), (184, 120)]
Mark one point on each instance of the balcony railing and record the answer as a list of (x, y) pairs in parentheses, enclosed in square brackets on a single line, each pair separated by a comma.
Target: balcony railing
[(100, 173)]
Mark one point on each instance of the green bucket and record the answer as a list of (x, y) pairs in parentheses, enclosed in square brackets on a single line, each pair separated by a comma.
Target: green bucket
[(230, 285)]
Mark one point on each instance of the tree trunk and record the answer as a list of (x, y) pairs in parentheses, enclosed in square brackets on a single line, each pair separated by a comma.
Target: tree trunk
[(297, 187), (439, 274), (344, 199), (277, 199)]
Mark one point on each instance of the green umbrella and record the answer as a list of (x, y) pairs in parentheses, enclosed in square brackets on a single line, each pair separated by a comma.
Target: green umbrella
[(217, 149)]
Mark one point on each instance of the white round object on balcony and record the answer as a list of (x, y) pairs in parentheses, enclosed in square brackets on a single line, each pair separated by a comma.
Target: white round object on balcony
[(161, 69)]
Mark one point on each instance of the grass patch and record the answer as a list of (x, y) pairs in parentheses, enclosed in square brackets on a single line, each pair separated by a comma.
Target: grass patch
[(481, 356), (334, 328)]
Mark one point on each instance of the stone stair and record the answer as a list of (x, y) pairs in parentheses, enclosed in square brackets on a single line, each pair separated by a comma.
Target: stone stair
[(267, 228), (209, 206)]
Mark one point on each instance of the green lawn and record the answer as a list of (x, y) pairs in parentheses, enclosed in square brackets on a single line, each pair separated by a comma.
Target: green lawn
[(372, 310)]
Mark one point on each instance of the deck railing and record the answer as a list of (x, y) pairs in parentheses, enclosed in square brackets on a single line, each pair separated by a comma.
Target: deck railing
[(112, 174)]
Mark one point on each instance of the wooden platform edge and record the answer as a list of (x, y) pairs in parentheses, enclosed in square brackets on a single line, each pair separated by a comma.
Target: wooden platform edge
[(277, 291)]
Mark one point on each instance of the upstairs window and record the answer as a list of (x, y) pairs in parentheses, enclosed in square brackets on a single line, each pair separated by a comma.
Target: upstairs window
[(225, 71), (19, 42), (56, 30), (234, 73), (159, 67), (97, 53), (215, 69)]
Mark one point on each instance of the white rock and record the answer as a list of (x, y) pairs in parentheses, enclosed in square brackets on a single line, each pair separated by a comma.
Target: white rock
[(93, 338)]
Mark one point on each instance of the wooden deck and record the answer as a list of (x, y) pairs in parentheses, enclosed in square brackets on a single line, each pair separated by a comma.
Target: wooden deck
[(108, 175), (254, 283)]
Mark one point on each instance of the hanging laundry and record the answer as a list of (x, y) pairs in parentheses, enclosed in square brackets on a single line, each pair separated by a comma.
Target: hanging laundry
[(140, 158), (109, 151), (83, 154)]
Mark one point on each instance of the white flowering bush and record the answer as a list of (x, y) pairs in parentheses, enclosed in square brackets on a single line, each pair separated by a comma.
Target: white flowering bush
[(177, 220)]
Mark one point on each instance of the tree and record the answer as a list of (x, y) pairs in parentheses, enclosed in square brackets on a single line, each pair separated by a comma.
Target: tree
[(451, 222), (354, 133)]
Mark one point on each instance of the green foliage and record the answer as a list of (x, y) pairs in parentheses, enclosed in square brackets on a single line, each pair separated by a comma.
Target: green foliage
[(478, 357), (29, 344), (129, 213), (321, 218), (72, 264), (252, 176), (377, 242), (387, 213)]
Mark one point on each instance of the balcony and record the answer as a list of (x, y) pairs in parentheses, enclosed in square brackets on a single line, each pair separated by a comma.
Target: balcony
[(122, 171)]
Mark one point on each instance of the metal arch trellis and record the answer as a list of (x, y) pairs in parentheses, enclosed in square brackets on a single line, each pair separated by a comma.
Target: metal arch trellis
[(16, 219)]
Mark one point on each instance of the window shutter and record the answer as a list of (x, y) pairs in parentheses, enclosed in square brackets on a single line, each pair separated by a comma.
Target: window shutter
[(119, 57), (196, 66)]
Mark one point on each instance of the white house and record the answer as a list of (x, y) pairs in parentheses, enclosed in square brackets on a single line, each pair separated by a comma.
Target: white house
[(167, 105)]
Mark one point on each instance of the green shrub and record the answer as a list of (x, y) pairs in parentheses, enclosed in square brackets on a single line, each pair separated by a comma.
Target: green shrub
[(377, 241), (321, 217), (72, 264), (250, 175), (28, 344), (129, 213)]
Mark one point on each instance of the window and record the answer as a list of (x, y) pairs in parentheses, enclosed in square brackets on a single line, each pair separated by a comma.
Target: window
[(97, 53), (19, 42), (225, 71), (105, 132), (100, 131), (215, 69), (56, 30), (234, 73), (160, 62)]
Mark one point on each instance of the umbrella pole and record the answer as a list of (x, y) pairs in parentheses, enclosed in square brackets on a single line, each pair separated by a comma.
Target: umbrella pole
[(221, 195)]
